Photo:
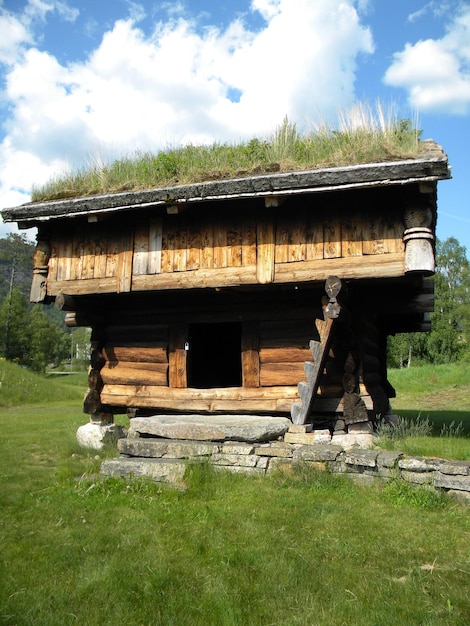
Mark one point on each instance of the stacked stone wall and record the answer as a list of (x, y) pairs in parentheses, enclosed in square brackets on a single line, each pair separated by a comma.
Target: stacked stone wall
[(165, 459)]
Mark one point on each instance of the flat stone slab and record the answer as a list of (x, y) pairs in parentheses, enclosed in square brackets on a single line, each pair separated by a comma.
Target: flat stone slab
[(159, 470), (249, 428)]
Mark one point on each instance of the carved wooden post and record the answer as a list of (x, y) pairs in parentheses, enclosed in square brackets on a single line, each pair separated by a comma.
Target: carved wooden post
[(40, 260), (419, 238)]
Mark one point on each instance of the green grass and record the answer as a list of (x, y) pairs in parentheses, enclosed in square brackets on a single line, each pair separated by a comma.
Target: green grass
[(441, 395), (363, 135), (311, 548), (21, 386)]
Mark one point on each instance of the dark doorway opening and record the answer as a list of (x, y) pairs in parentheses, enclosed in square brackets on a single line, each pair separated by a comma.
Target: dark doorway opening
[(214, 355)]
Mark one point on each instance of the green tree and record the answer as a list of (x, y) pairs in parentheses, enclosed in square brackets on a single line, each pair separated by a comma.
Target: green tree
[(14, 327), (49, 343), (16, 264), (28, 336), (449, 337)]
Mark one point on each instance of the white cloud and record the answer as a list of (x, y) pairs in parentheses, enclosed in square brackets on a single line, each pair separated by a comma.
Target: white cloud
[(147, 92), (436, 72)]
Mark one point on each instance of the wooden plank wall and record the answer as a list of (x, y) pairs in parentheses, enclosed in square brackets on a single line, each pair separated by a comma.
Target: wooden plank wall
[(209, 249)]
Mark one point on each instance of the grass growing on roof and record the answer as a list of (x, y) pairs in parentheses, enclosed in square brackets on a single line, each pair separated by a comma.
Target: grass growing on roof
[(363, 135)]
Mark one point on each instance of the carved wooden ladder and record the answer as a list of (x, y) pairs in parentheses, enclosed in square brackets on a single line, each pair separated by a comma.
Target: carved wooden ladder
[(300, 411)]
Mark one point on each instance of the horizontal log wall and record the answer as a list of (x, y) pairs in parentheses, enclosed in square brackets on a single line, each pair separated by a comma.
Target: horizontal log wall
[(136, 355), (145, 367), (210, 249)]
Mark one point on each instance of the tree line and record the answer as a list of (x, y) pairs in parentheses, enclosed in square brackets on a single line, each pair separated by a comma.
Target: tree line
[(32, 335), (35, 336)]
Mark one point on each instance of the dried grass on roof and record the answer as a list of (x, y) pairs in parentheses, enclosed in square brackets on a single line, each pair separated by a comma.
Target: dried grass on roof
[(362, 135)]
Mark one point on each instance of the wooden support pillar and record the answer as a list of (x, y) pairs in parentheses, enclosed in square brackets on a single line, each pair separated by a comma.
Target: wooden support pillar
[(41, 257)]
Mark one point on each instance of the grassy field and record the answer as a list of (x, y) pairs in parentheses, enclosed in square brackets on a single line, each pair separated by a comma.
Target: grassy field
[(441, 395), (306, 549)]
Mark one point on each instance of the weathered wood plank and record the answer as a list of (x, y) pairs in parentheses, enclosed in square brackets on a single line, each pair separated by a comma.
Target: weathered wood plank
[(384, 266), (136, 354), (177, 356), (155, 246), (125, 257), (115, 373), (141, 249), (101, 251), (53, 261), (220, 244), (78, 248), (61, 260), (266, 250), (207, 246), (372, 234), (230, 399), (351, 235), (223, 277), (332, 238), (282, 241), (193, 261), (248, 242), (89, 252), (297, 241), (284, 355), (275, 374), (112, 256), (393, 234), (250, 354), (181, 250), (168, 247), (314, 238), (234, 244)]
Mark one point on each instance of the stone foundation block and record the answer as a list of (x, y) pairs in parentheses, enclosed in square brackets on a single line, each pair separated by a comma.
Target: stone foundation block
[(455, 468), (249, 460), (277, 448), (418, 478), (249, 428), (420, 464), (388, 458), (363, 458), (316, 436), (317, 453), (450, 481), (237, 447), (350, 441), (277, 464), (159, 470)]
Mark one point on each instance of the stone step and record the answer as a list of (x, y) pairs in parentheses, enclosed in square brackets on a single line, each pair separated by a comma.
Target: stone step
[(153, 447), (160, 470), (250, 428)]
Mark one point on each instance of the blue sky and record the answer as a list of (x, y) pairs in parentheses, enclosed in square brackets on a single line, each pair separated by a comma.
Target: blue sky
[(85, 80)]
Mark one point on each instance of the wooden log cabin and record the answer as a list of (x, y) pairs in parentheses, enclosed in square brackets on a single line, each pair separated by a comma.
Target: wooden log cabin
[(210, 297)]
